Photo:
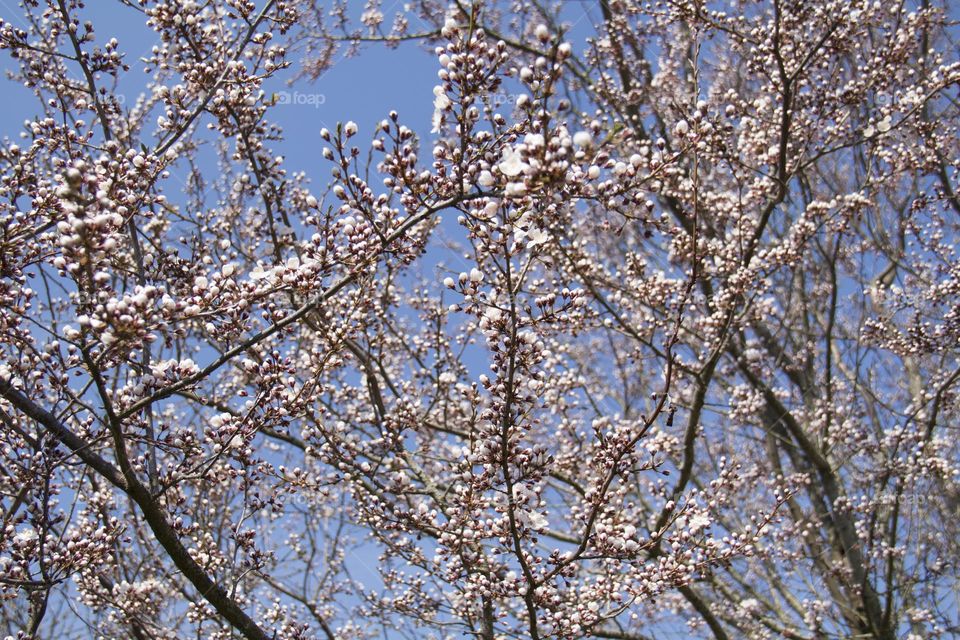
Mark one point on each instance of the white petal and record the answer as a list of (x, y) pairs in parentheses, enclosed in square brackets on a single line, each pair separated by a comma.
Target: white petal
[(537, 236), (512, 165)]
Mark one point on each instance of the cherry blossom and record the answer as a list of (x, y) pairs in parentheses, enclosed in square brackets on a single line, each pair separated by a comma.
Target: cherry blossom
[(655, 333)]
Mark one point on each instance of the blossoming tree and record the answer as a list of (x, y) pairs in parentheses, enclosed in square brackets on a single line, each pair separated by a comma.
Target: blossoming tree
[(692, 374)]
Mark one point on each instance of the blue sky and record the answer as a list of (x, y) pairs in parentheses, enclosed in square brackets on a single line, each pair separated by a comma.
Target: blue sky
[(363, 88)]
